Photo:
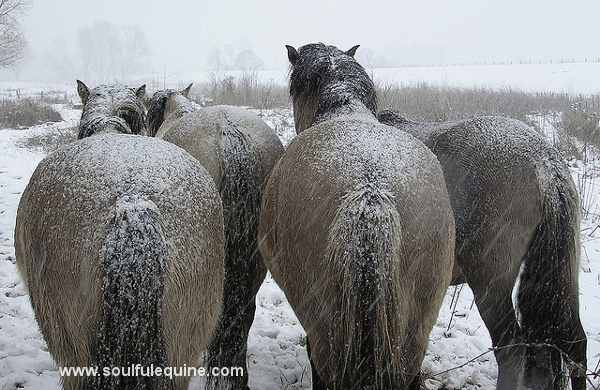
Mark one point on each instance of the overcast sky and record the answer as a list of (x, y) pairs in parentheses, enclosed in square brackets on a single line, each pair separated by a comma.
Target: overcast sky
[(182, 34)]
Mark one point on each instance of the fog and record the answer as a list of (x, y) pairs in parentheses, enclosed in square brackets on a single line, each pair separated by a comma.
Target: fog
[(182, 35)]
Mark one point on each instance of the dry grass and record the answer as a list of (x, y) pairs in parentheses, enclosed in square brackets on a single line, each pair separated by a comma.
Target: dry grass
[(49, 140), (23, 113), (581, 125), (572, 116), (427, 103), (245, 90)]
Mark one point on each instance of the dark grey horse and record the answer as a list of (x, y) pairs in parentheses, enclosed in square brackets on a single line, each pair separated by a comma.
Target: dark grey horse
[(517, 213), (239, 150), (360, 241), (122, 256)]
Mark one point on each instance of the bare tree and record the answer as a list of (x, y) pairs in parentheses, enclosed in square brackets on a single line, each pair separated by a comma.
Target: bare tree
[(12, 42), (134, 53), (112, 53), (59, 60)]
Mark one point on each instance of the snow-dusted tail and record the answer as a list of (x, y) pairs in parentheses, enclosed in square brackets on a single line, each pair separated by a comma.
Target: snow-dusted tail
[(365, 242), (240, 189), (548, 292), (132, 261)]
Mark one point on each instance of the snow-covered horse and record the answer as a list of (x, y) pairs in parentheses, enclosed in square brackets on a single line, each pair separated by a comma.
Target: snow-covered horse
[(111, 108), (517, 211), (122, 257), (356, 229), (239, 151)]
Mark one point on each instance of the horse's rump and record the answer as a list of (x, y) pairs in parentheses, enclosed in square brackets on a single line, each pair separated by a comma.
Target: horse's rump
[(348, 243), (239, 151), (94, 214)]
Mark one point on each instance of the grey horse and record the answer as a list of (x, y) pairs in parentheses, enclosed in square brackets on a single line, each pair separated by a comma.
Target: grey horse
[(122, 257), (517, 213), (360, 241), (239, 150)]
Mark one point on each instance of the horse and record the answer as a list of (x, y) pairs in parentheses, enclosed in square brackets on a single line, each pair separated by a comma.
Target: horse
[(356, 228), (239, 151), (517, 213), (112, 108), (122, 257)]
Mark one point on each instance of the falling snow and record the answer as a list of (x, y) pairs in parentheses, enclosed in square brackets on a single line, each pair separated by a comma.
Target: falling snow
[(277, 356)]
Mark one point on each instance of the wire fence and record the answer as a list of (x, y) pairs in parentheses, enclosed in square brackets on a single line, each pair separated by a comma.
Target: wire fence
[(486, 63)]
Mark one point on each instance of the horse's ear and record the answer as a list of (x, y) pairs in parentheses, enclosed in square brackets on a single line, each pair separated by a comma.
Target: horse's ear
[(292, 54), (83, 91), (352, 51), (143, 95), (186, 91), (141, 91)]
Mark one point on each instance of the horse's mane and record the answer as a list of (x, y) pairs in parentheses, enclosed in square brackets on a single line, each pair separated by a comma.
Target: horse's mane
[(333, 77), (112, 106), (100, 123), (156, 109)]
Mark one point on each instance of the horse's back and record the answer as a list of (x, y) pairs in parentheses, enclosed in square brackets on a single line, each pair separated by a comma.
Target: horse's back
[(201, 132), (348, 153), (62, 224), (498, 171)]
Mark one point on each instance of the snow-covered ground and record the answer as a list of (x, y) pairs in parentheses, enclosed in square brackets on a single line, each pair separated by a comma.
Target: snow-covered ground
[(572, 78), (458, 355)]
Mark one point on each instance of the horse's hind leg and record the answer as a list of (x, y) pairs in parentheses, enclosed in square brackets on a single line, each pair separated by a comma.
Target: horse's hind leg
[(576, 349), (568, 335), (230, 340), (492, 289), (572, 342), (544, 364), (317, 382), (499, 316)]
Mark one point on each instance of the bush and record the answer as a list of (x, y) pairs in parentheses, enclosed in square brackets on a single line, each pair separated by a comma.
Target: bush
[(22, 113)]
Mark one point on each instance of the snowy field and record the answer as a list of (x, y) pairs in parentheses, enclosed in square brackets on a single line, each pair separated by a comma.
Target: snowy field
[(458, 355), (572, 78)]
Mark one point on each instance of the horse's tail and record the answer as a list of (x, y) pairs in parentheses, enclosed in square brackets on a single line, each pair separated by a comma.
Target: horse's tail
[(241, 192), (240, 189), (548, 292), (132, 262), (365, 244)]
